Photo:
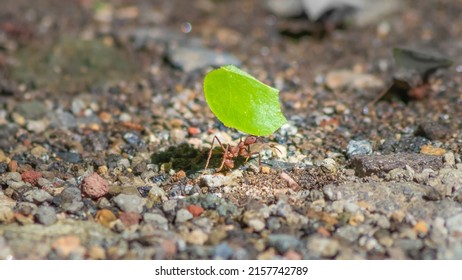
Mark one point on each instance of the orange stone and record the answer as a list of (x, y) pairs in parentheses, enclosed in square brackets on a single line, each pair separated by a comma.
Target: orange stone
[(13, 166), (105, 217), (105, 117), (265, 170), (180, 175), (195, 210), (421, 228), (193, 130), (433, 151), (96, 253)]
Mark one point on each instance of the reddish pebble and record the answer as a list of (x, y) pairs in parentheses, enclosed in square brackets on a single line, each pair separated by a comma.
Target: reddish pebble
[(292, 255), (195, 210), (65, 245), (129, 218), (31, 177), (330, 122), (324, 232), (94, 186), (169, 248), (193, 130)]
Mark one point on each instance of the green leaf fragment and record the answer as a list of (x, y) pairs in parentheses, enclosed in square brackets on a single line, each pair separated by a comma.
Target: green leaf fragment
[(242, 102)]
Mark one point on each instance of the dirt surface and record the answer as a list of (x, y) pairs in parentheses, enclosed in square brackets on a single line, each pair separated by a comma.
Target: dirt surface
[(104, 134)]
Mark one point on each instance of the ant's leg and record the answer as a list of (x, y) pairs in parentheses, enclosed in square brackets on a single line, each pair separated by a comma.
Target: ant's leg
[(211, 150), (248, 156), (210, 153), (224, 159), (259, 158)]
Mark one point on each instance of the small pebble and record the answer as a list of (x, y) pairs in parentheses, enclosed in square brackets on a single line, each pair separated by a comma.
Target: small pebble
[(222, 251), (183, 215), (257, 224), (329, 165), (195, 210), (338, 206), (105, 117), (216, 181), (156, 195), (26, 208), (12, 166), (130, 203), (265, 170), (290, 181), (44, 183), (105, 217), (348, 233), (398, 216), (421, 228), (6, 215), (36, 126), (66, 245), (325, 247), (292, 255), (156, 220), (38, 151), (356, 219), (129, 218), (102, 170), (454, 224), (70, 200), (170, 205), (123, 163), (96, 252), (196, 237), (283, 242), (193, 131), (359, 147), (70, 157), (177, 135), (46, 215), (38, 196), (132, 138), (288, 129), (94, 186), (31, 177), (431, 150), (449, 158)]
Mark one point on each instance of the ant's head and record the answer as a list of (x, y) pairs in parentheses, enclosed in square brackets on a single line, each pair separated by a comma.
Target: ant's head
[(249, 140)]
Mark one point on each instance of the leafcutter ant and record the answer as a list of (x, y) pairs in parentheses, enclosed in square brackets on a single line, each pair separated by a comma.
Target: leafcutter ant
[(231, 152)]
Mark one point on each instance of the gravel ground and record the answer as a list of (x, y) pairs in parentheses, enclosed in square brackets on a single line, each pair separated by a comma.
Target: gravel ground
[(104, 133)]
